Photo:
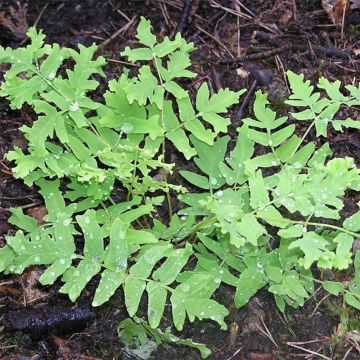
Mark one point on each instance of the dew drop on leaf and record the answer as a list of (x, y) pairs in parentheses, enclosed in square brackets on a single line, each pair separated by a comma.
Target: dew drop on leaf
[(52, 75), (213, 181), (74, 106)]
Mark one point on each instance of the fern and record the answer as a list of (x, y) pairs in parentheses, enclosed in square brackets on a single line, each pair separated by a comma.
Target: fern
[(80, 150)]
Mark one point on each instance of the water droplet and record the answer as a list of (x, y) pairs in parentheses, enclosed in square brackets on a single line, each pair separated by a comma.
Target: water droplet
[(213, 181), (52, 75), (127, 128), (74, 106), (66, 222)]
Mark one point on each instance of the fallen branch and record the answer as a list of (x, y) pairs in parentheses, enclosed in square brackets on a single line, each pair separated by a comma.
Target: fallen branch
[(276, 41)]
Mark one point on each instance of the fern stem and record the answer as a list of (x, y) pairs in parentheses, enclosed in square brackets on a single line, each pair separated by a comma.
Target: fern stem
[(334, 227), (303, 137), (163, 142), (201, 224)]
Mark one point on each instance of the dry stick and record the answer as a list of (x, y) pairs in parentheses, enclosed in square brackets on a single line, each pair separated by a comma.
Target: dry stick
[(166, 16), (184, 16), (40, 14), (347, 353), (117, 33), (242, 15), (237, 7), (119, 11), (245, 8), (215, 39), (310, 341), (308, 351), (246, 100), (294, 9), (268, 331), (319, 303), (215, 77), (328, 51), (255, 56)]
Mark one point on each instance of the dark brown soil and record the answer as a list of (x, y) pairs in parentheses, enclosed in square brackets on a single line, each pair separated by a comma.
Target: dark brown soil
[(302, 30)]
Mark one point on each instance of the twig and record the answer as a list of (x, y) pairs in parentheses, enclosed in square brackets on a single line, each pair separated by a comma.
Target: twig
[(23, 206), (245, 8), (246, 100), (119, 11), (184, 16), (40, 14), (343, 22), (281, 68), (319, 303), (122, 62), (234, 354), (347, 353), (244, 16), (310, 341), (308, 351), (269, 335), (255, 56), (117, 33), (237, 7), (294, 9), (215, 77), (215, 39), (328, 51)]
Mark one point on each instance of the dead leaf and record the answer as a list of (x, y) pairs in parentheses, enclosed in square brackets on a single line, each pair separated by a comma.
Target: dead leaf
[(38, 214), (336, 9), (252, 320), (244, 74), (63, 350), (20, 142), (286, 17), (29, 281), (6, 289)]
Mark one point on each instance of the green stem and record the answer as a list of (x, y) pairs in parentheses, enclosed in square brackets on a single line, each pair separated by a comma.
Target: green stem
[(168, 198), (203, 223), (303, 137), (334, 227)]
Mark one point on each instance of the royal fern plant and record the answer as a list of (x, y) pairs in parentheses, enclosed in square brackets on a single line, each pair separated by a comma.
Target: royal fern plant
[(246, 221)]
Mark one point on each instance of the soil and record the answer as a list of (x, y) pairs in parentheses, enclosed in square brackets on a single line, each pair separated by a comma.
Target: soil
[(38, 322)]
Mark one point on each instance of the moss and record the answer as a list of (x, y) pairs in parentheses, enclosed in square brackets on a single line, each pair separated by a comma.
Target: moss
[(353, 30), (354, 320)]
